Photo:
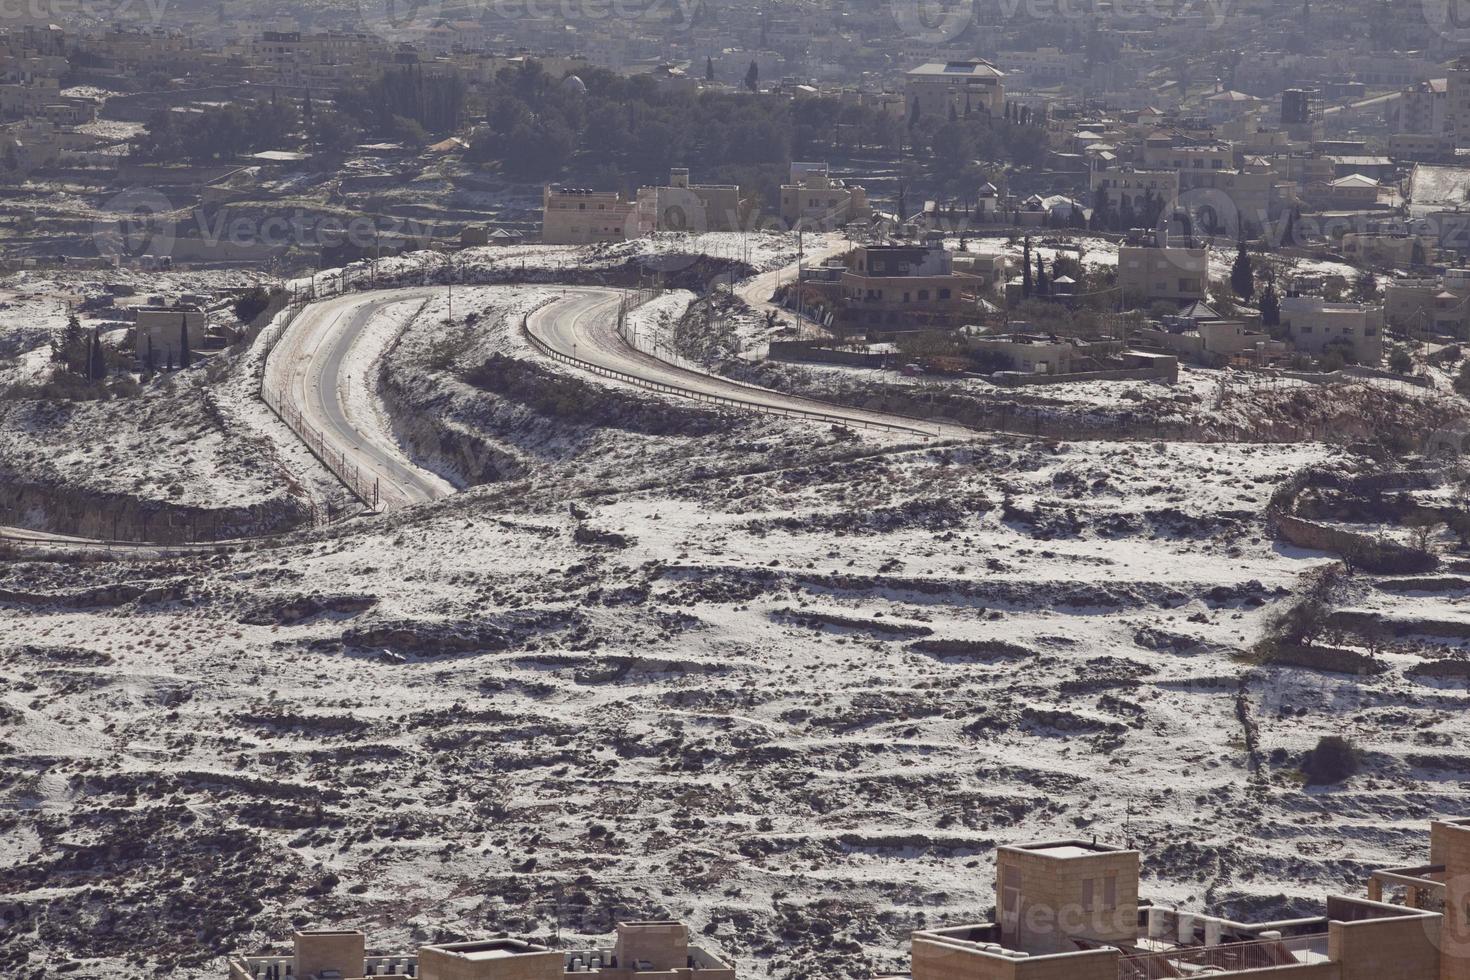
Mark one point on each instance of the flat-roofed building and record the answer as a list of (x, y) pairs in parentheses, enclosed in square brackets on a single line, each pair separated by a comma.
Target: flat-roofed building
[(642, 950), (579, 216), (684, 206), (1316, 326), (1148, 274), (973, 85), (816, 200), (160, 333), (1070, 910), (886, 289), (1116, 186)]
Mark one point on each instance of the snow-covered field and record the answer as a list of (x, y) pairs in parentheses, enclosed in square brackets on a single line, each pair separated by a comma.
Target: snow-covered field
[(788, 684)]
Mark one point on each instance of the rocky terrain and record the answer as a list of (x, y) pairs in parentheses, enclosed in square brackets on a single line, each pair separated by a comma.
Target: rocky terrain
[(797, 704), (787, 682)]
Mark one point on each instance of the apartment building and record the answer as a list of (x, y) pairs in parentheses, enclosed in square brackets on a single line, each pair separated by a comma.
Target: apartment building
[(652, 950), (1149, 273), (818, 201), (885, 289), (1070, 910), (1121, 185), (1316, 326), (1457, 101), (1210, 180), (1433, 304), (579, 216), (1422, 108), (320, 62), (684, 206), (974, 85)]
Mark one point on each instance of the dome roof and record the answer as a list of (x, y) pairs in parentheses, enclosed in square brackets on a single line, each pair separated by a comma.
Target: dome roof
[(573, 83)]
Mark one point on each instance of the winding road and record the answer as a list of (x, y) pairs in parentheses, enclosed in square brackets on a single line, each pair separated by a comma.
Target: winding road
[(583, 328), (308, 381), (307, 372)]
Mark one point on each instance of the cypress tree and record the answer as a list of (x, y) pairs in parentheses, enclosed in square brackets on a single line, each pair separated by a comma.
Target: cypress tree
[(97, 366), (1027, 286), (72, 349), (185, 357), (1242, 278), (1270, 306)]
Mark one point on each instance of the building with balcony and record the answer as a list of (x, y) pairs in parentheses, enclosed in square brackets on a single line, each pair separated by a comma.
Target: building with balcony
[(888, 289)]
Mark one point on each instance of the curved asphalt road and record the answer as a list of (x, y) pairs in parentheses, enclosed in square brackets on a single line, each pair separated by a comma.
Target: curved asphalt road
[(584, 326), (306, 370), (306, 373)]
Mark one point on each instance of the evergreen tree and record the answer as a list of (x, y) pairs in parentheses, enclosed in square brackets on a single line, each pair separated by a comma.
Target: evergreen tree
[(71, 349), (954, 114), (186, 358), (1099, 209), (1242, 276), (149, 361), (753, 77), (1288, 234), (1043, 284), (914, 113), (1366, 287), (97, 367), (709, 69), (1027, 286), (1270, 306)]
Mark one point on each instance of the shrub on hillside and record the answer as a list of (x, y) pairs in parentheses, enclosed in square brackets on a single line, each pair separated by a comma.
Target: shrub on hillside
[(1333, 760)]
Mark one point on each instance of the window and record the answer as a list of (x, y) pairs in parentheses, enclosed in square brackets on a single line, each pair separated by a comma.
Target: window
[(1110, 891), (1088, 893), (1010, 885), (923, 295), (944, 294)]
